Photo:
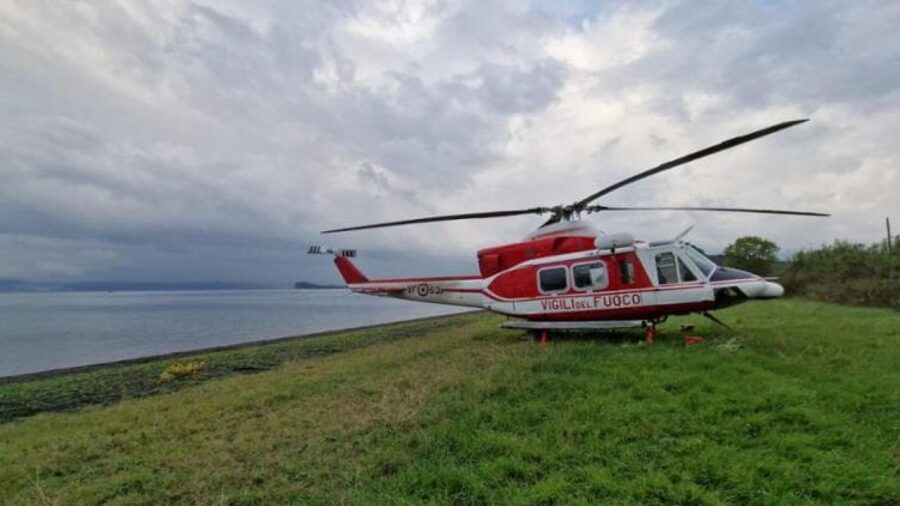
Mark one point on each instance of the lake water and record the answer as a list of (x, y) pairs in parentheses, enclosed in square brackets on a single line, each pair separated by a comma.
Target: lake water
[(41, 331)]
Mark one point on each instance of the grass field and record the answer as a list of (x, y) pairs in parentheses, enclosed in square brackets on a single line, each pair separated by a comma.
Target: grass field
[(799, 405)]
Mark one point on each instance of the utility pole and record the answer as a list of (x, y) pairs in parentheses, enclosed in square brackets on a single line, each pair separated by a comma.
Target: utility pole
[(887, 222), (890, 246)]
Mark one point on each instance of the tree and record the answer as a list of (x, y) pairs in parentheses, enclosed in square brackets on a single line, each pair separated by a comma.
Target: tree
[(751, 253)]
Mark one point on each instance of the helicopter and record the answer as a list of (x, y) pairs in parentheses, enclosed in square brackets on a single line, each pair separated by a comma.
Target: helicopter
[(567, 275)]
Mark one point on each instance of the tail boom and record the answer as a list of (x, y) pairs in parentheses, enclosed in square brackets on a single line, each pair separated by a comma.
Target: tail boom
[(453, 290), (456, 290)]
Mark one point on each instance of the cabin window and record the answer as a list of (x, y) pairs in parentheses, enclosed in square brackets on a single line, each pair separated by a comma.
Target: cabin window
[(590, 276), (553, 279), (666, 268), (626, 272)]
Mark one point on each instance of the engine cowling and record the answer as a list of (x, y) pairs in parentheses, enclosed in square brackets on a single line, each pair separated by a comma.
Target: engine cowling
[(614, 241), (500, 258)]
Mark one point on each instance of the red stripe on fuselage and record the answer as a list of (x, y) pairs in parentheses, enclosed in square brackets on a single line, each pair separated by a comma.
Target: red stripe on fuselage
[(498, 298), (425, 280), (624, 313)]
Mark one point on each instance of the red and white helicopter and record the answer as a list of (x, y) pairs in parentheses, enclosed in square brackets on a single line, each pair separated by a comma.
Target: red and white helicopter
[(568, 276)]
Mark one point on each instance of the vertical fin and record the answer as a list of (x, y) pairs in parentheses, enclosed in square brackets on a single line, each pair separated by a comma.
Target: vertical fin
[(349, 271)]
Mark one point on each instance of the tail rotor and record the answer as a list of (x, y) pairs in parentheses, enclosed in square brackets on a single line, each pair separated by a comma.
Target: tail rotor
[(318, 250)]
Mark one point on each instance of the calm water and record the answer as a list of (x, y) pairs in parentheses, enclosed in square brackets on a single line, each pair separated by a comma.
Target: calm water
[(40, 331)]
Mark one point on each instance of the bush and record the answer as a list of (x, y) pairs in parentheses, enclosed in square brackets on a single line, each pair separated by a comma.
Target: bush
[(846, 273), (751, 253), (861, 292)]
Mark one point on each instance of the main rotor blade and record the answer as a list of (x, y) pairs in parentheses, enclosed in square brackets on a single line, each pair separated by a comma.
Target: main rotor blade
[(446, 217), (730, 143), (721, 209), (553, 219)]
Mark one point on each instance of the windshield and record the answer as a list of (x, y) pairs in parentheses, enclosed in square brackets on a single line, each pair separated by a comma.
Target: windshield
[(705, 265)]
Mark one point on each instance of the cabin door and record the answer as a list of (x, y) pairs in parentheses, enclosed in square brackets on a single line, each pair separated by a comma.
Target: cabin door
[(676, 284)]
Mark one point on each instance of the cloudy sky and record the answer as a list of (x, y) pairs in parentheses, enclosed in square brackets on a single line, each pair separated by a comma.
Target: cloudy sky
[(211, 140)]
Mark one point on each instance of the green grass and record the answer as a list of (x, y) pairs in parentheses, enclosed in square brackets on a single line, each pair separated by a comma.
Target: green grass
[(800, 405)]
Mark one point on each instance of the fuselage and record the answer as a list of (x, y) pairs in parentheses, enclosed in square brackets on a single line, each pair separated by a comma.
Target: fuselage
[(644, 281)]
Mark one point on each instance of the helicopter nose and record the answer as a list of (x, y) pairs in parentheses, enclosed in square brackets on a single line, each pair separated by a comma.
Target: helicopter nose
[(761, 289), (771, 291)]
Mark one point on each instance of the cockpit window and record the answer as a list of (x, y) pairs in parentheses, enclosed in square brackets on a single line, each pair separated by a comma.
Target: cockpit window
[(704, 264), (728, 274), (685, 271)]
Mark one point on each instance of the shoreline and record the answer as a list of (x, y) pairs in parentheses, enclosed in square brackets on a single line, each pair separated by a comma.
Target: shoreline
[(49, 373)]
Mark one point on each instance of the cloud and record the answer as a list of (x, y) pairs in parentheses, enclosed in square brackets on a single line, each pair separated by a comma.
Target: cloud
[(199, 140)]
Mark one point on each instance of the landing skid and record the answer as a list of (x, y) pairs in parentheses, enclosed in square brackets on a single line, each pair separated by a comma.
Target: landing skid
[(543, 329), (598, 325)]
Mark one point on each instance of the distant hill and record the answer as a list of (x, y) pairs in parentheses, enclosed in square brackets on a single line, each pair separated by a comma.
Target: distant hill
[(15, 285), (306, 285)]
